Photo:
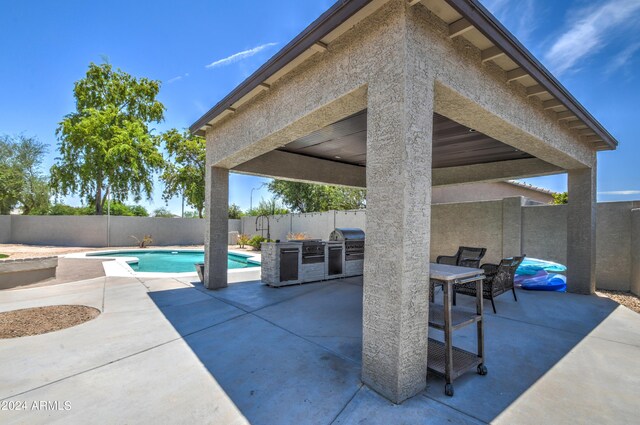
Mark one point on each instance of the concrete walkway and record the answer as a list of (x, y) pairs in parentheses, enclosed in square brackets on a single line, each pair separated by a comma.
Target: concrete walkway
[(169, 351)]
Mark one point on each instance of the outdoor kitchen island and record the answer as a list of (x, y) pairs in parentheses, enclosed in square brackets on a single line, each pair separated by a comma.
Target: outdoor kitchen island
[(312, 260)]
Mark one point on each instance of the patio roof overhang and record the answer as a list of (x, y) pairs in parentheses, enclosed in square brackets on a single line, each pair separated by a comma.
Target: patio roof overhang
[(413, 69), (466, 18)]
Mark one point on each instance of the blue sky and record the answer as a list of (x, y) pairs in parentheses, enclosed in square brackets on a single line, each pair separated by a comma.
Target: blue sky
[(201, 50)]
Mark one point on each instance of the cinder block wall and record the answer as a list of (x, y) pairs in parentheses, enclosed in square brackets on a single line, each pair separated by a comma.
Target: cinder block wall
[(538, 231), (635, 251), (5, 229)]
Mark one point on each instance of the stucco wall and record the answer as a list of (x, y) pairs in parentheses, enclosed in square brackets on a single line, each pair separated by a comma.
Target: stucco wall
[(5, 228), (485, 192), (91, 231), (544, 235), (59, 230), (164, 231), (544, 232), (314, 225), (468, 224)]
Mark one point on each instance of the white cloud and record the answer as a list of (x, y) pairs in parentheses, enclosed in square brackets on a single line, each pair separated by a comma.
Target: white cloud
[(590, 31), (620, 192), (177, 78), (518, 17), (622, 58), (239, 56)]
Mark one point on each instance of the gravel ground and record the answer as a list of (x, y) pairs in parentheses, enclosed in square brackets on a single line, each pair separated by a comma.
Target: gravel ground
[(627, 299), (40, 320)]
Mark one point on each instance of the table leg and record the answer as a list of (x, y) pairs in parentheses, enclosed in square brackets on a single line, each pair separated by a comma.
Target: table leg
[(448, 343)]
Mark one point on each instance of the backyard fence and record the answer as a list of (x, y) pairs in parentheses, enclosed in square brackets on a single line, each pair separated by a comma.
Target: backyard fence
[(504, 227)]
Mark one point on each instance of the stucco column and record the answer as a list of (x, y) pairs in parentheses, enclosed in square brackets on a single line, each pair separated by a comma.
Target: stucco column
[(395, 310), (216, 228), (581, 231)]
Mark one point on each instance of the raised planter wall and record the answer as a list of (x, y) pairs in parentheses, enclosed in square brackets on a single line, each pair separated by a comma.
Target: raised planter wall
[(23, 271)]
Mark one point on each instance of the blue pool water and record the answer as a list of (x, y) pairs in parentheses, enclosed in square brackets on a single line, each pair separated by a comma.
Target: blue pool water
[(164, 261)]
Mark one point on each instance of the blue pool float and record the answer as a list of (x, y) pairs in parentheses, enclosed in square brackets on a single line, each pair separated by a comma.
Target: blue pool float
[(540, 275), (556, 282)]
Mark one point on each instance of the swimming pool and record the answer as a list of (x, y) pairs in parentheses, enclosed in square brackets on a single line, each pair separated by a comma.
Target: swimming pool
[(172, 261)]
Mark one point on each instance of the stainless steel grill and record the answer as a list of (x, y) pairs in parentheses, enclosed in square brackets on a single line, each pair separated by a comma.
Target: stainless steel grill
[(353, 242), (312, 252), (347, 234)]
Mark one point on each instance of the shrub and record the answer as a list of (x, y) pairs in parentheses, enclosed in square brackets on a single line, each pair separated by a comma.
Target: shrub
[(145, 242), (257, 240), (243, 240)]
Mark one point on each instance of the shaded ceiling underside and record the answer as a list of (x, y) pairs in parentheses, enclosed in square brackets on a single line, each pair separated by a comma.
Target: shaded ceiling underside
[(453, 144)]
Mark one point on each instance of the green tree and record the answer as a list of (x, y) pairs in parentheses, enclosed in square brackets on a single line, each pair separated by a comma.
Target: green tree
[(162, 212), (235, 211), (191, 214), (106, 146), (21, 181), (183, 174), (63, 209), (307, 197), (118, 208), (270, 207), (10, 178), (560, 198)]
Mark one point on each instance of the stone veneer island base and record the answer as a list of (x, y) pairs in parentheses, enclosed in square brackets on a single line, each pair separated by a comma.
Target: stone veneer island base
[(283, 264)]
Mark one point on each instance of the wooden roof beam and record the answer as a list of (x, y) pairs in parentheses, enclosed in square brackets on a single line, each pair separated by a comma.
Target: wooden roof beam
[(592, 139), (552, 103), (491, 53), (413, 2), (586, 132), (536, 90), (459, 27), (319, 47), (565, 115), (516, 74), (576, 124)]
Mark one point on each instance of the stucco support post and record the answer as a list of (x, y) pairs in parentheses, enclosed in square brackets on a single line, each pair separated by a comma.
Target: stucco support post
[(396, 275), (217, 227), (581, 231)]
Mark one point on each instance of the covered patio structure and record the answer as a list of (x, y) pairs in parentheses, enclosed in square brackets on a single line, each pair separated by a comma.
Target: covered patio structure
[(399, 96)]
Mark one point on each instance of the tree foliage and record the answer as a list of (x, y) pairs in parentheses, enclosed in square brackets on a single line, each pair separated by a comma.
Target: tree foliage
[(235, 212), (106, 145), (21, 181), (560, 198), (270, 207), (114, 208), (162, 212), (307, 197), (184, 171)]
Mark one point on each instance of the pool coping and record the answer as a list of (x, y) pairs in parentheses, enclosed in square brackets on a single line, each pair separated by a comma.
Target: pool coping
[(118, 267)]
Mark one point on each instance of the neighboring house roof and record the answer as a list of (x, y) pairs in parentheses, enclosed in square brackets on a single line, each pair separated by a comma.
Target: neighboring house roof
[(531, 187), (317, 35)]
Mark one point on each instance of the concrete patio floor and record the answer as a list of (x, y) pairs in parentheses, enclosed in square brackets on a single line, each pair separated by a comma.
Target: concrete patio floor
[(170, 351)]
